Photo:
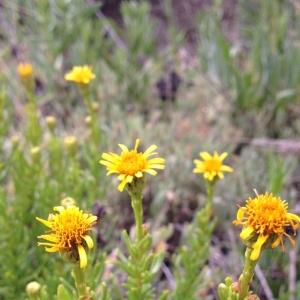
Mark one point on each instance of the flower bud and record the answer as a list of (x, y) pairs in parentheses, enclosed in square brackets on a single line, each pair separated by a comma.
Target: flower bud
[(33, 289), (95, 106), (145, 229), (51, 123), (235, 287), (25, 71), (71, 145), (15, 141), (88, 120), (68, 202), (35, 154)]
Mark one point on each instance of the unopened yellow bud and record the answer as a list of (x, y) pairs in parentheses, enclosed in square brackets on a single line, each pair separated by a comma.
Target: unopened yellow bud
[(51, 123), (88, 120), (35, 153), (15, 141), (33, 289), (145, 229), (25, 71), (68, 202), (95, 106), (71, 145)]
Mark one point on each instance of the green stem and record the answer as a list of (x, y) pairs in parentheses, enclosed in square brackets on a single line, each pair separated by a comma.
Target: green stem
[(247, 275), (210, 194), (79, 277), (136, 202)]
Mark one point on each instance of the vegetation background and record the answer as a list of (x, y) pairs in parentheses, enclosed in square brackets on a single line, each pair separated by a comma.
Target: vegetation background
[(187, 76)]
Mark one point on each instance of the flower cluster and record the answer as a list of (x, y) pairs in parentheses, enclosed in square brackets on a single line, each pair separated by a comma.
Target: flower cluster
[(69, 231), (264, 221), (211, 166), (131, 164), (25, 70), (80, 74)]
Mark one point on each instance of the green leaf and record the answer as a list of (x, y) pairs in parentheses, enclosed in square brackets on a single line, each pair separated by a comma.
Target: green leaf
[(62, 294), (156, 264)]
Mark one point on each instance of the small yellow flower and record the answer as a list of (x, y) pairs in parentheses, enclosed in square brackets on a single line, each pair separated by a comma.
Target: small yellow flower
[(80, 74), (25, 69), (69, 231), (265, 218), (131, 164), (212, 166)]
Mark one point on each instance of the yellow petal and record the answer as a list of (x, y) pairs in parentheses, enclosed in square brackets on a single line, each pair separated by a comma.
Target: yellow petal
[(121, 176), (226, 169), (147, 153), (150, 171), (53, 249), (222, 156), (82, 256), (220, 175), (89, 241), (47, 223), (122, 185), (124, 148), (261, 240), (205, 155), (58, 208), (240, 214), (156, 166), (50, 238), (156, 161), (129, 178), (246, 232), (255, 253), (137, 141)]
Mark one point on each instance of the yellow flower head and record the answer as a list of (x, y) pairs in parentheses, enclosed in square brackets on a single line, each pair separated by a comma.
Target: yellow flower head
[(80, 74), (211, 166), (265, 219), (25, 70), (131, 164), (69, 231)]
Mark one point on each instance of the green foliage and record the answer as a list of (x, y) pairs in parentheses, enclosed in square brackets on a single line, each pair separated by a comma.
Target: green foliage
[(140, 268), (258, 67), (129, 60), (190, 272)]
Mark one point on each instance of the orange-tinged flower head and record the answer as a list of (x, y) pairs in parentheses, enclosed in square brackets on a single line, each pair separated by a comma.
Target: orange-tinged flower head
[(264, 221), (25, 69), (69, 231), (131, 164), (80, 74), (211, 166)]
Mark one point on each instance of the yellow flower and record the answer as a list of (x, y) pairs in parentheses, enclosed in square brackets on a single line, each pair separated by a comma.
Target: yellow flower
[(80, 74), (131, 164), (265, 218), (25, 69), (69, 231), (212, 166)]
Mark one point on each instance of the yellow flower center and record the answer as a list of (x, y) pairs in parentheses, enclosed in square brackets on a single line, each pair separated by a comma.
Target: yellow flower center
[(132, 163), (70, 226), (212, 165), (267, 215)]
